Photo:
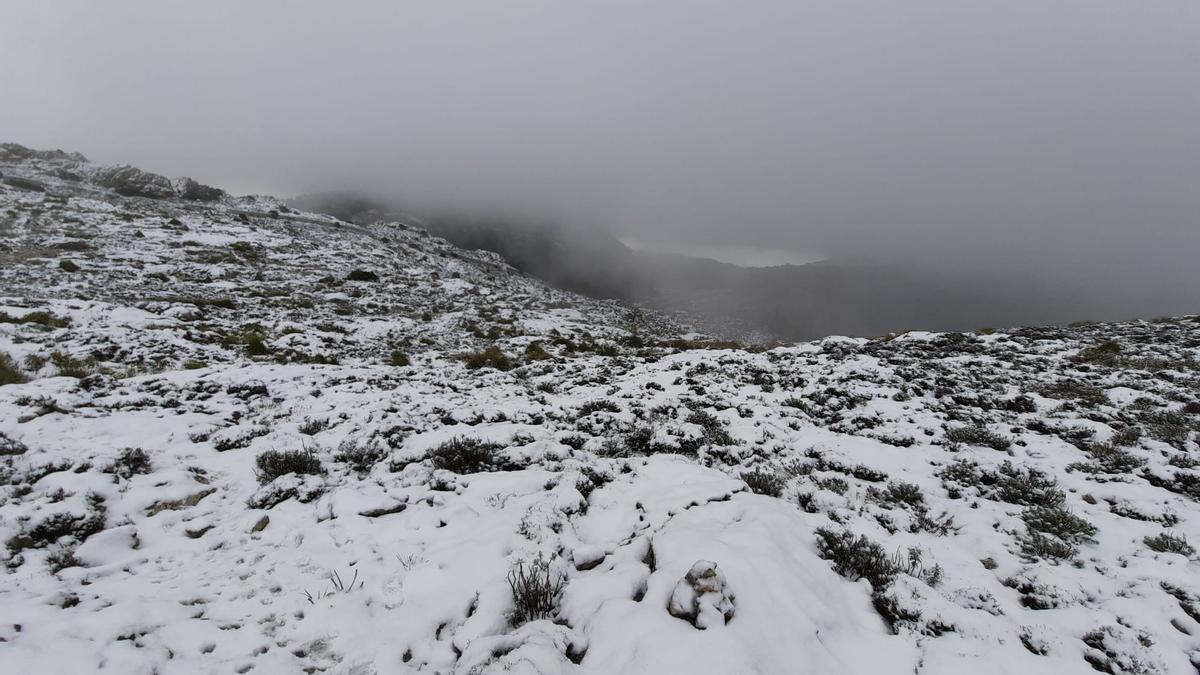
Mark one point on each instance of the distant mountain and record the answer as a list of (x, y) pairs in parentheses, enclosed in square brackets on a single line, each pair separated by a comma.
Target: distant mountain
[(785, 302)]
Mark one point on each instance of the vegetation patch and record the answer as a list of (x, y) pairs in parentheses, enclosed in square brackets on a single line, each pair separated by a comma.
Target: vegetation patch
[(275, 463), (465, 455)]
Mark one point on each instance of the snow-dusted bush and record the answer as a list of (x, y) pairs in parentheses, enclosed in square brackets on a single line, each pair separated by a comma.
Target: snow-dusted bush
[(131, 462), (78, 526), (360, 457), (939, 526), (314, 426), (598, 405), (975, 435), (536, 587), (834, 484), (899, 493), (9, 372), (574, 441), (465, 455), (1108, 458), (1170, 543), (275, 463), (10, 446), (492, 357), (856, 557), (1073, 390), (764, 482), (1027, 487), (70, 366), (1036, 545), (1059, 523), (714, 431)]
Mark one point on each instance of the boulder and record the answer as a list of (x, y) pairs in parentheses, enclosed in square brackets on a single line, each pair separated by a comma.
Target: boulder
[(702, 597)]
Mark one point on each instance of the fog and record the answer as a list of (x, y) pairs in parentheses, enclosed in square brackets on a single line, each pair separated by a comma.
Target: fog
[(1056, 141)]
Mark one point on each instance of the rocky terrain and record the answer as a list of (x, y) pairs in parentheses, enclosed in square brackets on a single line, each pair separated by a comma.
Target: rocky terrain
[(236, 437)]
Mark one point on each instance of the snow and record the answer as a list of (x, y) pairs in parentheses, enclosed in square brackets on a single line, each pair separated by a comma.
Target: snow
[(389, 563)]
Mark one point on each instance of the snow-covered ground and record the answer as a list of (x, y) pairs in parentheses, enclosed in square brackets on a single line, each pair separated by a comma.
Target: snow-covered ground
[(1022, 501)]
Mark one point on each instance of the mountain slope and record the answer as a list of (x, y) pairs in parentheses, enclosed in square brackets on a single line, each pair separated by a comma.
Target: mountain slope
[(782, 302), (211, 462)]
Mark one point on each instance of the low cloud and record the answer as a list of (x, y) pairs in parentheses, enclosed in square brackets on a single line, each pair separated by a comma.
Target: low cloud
[(1016, 140)]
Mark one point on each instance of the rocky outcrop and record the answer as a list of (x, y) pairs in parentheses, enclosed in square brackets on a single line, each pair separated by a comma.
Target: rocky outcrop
[(192, 190), (133, 182)]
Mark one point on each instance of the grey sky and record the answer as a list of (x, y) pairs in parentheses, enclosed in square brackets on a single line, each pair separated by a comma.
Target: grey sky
[(1022, 134)]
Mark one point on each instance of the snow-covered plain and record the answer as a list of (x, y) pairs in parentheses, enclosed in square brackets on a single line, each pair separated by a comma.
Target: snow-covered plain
[(1034, 491)]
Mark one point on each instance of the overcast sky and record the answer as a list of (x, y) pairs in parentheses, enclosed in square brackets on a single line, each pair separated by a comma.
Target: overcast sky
[(1023, 134)]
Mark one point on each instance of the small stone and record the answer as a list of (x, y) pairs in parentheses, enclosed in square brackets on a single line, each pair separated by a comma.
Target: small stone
[(261, 524)]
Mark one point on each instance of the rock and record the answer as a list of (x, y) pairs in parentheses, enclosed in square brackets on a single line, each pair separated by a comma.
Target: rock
[(184, 312), (196, 533), (177, 504), (195, 191), (133, 182), (383, 511), (587, 557), (701, 597), (261, 524)]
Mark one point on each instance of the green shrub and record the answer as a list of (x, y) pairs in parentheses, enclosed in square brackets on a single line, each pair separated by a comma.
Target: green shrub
[(1036, 545), (599, 405), (1104, 353), (904, 494), (1170, 543), (398, 359), (1070, 390), (1059, 522), (10, 447), (68, 266), (360, 457), (535, 352), (764, 482), (314, 426), (131, 462), (59, 525), (1172, 428), (1108, 459), (9, 373), (574, 441), (39, 318), (856, 558), (492, 357), (1027, 487), (465, 455), (1127, 436), (255, 345), (976, 435), (275, 463), (714, 431), (61, 558), (70, 366), (834, 484)]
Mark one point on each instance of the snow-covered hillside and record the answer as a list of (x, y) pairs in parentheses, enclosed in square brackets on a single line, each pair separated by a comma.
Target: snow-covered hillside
[(239, 438)]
